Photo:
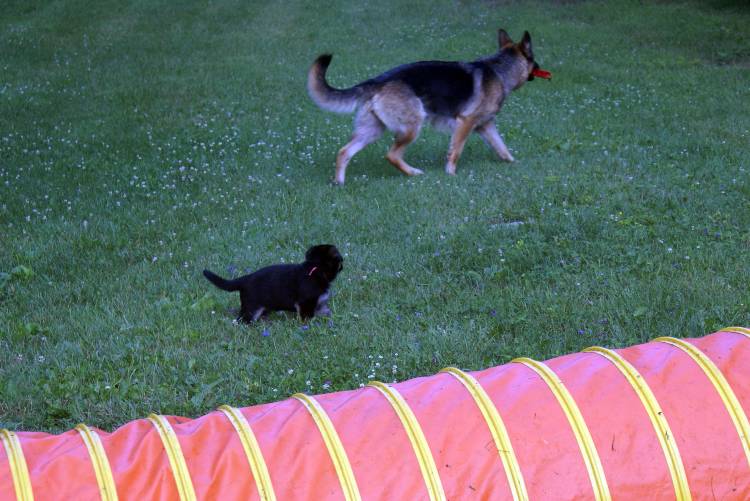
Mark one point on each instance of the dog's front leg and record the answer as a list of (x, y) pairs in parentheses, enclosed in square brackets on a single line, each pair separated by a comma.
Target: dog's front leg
[(493, 138), (306, 310), (461, 132)]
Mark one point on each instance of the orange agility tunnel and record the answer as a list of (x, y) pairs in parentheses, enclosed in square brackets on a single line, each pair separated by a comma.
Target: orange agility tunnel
[(662, 420)]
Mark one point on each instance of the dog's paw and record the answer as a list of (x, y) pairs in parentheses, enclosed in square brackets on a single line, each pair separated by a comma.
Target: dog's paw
[(415, 172), (450, 170), (504, 155)]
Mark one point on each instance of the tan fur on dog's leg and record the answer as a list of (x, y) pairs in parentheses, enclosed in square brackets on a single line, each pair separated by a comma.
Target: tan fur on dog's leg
[(493, 138), (367, 129), (396, 154), (458, 140), (401, 111), (345, 154)]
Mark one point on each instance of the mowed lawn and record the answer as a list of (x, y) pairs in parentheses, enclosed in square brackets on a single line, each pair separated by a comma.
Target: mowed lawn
[(141, 142)]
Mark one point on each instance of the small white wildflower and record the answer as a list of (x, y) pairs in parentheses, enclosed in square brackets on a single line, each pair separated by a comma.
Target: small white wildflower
[(290, 371)]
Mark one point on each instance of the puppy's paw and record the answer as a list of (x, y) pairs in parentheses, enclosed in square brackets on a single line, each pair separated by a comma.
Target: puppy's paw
[(323, 311)]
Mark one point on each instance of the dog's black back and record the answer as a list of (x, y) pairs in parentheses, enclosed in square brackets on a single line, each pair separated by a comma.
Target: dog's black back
[(443, 86), (286, 287)]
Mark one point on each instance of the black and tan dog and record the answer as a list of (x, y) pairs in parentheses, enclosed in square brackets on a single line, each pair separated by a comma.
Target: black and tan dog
[(460, 96), (303, 287)]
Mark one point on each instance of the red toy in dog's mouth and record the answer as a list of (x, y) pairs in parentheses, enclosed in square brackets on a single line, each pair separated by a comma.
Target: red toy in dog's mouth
[(538, 72)]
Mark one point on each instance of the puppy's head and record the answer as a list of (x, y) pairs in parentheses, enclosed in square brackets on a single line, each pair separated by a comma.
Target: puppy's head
[(327, 258)]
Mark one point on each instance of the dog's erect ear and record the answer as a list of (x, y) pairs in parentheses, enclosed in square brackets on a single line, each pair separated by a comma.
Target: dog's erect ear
[(526, 45), (503, 39)]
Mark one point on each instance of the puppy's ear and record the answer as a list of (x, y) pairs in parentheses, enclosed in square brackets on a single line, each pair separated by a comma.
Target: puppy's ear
[(335, 260), (312, 253), (525, 45), (319, 253), (503, 39)]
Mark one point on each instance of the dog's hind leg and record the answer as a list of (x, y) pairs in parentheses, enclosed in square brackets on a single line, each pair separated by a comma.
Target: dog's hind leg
[(402, 112), (461, 132), (492, 137), (396, 154), (367, 129), (251, 314)]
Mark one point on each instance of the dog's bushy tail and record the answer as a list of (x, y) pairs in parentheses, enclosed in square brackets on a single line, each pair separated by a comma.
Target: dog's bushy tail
[(325, 96), (221, 283)]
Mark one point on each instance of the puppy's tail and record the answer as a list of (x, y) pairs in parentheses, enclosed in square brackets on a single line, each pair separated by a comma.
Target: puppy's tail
[(325, 96), (221, 283)]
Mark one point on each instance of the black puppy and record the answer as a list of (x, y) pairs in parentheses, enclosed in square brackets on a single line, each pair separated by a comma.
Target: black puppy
[(291, 287)]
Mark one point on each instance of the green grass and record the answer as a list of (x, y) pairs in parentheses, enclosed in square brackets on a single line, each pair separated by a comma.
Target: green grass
[(140, 143)]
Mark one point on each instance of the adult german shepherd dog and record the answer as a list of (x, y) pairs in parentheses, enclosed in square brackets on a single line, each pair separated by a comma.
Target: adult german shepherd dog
[(459, 96)]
